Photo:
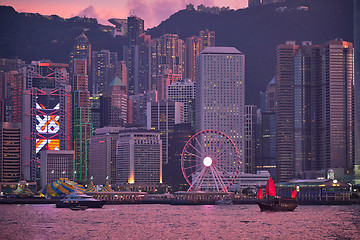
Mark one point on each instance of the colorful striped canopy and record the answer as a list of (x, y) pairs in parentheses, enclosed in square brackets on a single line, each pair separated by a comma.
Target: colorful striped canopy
[(91, 187), (61, 187), (107, 188), (22, 191)]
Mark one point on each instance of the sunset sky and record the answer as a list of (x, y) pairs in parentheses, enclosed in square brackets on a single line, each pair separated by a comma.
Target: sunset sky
[(152, 11)]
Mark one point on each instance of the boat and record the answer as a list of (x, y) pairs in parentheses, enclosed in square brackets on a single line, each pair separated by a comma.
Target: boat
[(77, 199), (273, 202), (223, 202), (77, 208)]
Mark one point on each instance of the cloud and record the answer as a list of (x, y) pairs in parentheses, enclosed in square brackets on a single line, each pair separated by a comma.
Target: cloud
[(89, 12), (155, 11)]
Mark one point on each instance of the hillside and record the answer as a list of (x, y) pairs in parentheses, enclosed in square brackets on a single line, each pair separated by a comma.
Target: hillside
[(35, 37), (255, 32)]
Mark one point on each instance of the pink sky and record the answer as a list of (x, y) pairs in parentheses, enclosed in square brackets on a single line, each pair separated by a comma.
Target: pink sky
[(152, 11)]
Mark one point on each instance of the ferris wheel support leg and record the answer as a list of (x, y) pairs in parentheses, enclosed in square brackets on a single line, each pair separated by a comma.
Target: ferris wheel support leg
[(214, 178), (220, 179), (202, 179), (193, 184)]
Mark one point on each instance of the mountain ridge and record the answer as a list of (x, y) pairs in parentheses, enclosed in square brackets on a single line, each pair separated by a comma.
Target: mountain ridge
[(254, 31)]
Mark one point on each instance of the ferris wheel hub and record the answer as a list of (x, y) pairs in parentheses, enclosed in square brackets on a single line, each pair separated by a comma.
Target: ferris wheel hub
[(207, 161)]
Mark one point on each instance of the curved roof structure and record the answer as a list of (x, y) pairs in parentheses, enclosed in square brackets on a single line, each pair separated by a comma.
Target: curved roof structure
[(91, 188), (63, 186), (22, 191), (107, 188)]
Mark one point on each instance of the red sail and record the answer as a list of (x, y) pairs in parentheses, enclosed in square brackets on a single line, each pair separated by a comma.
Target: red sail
[(270, 188), (259, 194), (293, 194)]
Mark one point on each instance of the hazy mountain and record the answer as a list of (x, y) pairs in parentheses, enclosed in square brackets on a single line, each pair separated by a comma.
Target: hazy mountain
[(254, 31)]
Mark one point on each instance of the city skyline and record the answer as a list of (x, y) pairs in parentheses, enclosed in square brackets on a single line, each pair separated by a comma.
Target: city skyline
[(152, 11)]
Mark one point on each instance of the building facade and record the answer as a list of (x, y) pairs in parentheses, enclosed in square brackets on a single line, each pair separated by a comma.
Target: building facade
[(182, 91), (162, 116), (55, 165), (46, 113), (10, 152), (139, 157), (220, 94), (82, 127), (102, 160)]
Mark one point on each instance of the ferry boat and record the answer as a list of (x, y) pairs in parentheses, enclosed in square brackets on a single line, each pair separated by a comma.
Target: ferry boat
[(76, 199), (274, 203)]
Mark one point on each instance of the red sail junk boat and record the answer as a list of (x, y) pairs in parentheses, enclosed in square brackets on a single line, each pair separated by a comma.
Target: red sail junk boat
[(274, 203)]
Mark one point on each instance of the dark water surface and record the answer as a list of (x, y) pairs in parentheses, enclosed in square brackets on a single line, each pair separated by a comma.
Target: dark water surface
[(178, 222)]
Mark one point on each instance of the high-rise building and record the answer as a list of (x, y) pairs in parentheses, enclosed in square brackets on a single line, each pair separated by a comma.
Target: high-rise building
[(167, 53), (315, 108), (250, 121), (97, 115), (3, 96), (270, 96), (220, 94), (102, 160), (207, 39), (182, 91), (163, 81), (11, 64), (266, 143), (285, 161), (101, 70), (10, 152), (137, 107), (82, 127), (357, 90), (115, 103), (172, 174), (192, 49), (46, 119), (139, 158), (136, 56), (55, 165), (337, 107), (162, 116)]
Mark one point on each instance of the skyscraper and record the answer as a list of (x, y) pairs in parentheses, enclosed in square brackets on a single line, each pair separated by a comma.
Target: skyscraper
[(139, 158), (357, 90), (81, 119), (285, 162), (82, 50), (10, 152), (102, 160), (220, 94), (315, 104), (167, 53), (46, 120), (250, 121), (115, 103), (136, 56), (162, 116), (101, 70), (163, 81), (182, 91)]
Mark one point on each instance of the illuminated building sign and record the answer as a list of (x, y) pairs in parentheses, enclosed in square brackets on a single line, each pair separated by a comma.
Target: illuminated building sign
[(47, 123)]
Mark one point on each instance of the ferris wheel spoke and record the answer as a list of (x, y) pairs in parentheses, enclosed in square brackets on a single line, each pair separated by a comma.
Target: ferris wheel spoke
[(220, 178), (193, 166), (203, 177), (192, 154), (200, 146), (193, 183), (196, 149)]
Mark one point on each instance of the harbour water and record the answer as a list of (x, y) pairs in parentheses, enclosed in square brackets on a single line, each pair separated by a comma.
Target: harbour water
[(143, 221)]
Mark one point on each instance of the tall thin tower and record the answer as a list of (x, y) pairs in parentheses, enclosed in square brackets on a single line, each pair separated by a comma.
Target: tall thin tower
[(81, 119), (357, 90)]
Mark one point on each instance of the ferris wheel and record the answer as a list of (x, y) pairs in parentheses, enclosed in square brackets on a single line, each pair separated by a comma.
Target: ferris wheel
[(210, 161)]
